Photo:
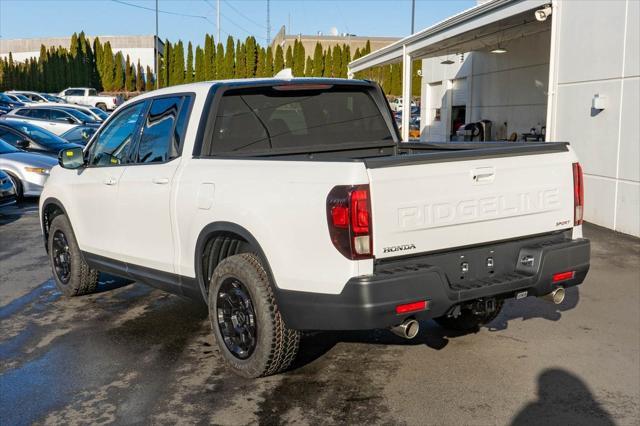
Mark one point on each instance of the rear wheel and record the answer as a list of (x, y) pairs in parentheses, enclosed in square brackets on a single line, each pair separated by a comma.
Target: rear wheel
[(468, 320), (245, 319), (71, 273), (101, 106)]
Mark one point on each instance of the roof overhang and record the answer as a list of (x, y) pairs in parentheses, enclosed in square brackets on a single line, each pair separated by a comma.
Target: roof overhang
[(473, 29)]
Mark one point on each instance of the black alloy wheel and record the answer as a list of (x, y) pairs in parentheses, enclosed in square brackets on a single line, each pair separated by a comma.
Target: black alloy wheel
[(236, 318), (61, 257)]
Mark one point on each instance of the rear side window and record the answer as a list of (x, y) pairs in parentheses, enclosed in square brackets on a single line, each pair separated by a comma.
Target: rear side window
[(288, 118), (57, 115), (164, 129), (38, 113)]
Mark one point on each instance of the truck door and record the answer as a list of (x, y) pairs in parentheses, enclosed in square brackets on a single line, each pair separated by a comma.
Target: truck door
[(145, 211)]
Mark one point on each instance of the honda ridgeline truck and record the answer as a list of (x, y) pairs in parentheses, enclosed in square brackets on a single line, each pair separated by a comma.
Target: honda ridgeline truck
[(292, 204)]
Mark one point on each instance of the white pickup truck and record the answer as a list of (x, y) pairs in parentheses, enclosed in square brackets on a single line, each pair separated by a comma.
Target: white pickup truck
[(90, 97), (291, 204)]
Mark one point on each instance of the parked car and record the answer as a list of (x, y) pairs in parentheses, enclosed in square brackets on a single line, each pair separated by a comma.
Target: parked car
[(89, 96), (28, 137), (33, 96), (53, 118), (7, 190), (396, 104), (96, 113), (27, 170), (19, 98), (79, 135), (290, 205), (7, 104)]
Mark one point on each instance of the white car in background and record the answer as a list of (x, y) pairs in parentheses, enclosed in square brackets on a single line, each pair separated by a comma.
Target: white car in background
[(36, 96), (55, 119), (396, 104), (89, 96)]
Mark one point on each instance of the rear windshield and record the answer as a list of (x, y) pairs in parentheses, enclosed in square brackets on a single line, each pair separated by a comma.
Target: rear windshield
[(305, 118)]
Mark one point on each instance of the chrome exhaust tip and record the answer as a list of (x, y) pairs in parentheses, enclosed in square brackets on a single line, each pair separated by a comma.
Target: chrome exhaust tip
[(556, 296), (407, 330)]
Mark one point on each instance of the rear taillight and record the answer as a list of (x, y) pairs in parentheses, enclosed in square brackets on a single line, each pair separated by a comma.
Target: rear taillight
[(578, 194), (349, 217)]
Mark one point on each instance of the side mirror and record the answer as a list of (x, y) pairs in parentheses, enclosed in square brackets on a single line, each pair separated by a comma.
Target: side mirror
[(71, 158), (22, 144)]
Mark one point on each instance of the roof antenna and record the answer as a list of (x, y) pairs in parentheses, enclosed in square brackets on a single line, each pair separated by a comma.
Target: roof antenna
[(285, 74)]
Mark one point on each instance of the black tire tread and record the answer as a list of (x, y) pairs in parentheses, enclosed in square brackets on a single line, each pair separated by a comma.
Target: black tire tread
[(285, 342), (84, 279)]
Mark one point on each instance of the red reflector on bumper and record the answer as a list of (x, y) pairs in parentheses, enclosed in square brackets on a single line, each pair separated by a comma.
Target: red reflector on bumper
[(563, 276), (411, 307)]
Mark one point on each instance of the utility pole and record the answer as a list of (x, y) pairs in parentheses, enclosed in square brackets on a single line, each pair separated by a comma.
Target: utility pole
[(413, 15), (268, 25), (155, 47), (218, 20)]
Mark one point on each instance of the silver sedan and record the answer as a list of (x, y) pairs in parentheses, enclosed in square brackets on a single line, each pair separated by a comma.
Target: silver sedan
[(27, 170)]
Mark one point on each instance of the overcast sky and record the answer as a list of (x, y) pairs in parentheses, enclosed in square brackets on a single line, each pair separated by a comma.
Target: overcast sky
[(239, 18)]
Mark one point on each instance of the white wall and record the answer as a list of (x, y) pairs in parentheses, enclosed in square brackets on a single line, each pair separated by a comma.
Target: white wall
[(598, 53), (506, 88)]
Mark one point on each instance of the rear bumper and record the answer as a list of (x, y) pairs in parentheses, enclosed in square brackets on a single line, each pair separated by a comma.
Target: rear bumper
[(369, 302)]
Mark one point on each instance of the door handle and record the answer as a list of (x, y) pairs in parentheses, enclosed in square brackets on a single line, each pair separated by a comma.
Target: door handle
[(483, 174), (160, 181), (110, 181)]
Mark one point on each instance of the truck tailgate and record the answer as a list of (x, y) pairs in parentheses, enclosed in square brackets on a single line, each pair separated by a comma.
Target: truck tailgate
[(431, 206)]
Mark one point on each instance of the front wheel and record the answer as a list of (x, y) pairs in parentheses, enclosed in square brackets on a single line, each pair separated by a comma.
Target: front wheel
[(245, 319), (71, 273)]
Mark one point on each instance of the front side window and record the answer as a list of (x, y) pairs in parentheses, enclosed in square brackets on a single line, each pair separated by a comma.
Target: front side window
[(57, 115), (114, 141), (163, 130), (9, 136), (42, 114)]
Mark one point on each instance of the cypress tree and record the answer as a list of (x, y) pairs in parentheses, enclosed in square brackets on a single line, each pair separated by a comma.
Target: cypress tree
[(241, 62), (251, 57), (118, 75), (229, 59), (165, 68), (289, 57), (261, 63), (299, 61), (200, 70), (209, 64), (177, 69), (268, 66), (128, 78), (108, 64), (346, 58), (140, 77), (328, 63), (220, 64), (278, 62), (189, 73), (318, 65), (336, 61), (308, 68), (99, 58), (149, 82)]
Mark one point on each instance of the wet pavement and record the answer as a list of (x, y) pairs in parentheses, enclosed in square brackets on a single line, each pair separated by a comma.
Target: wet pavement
[(130, 355)]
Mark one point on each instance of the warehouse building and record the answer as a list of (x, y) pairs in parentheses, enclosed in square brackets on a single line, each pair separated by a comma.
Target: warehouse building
[(553, 70), (329, 40), (137, 47)]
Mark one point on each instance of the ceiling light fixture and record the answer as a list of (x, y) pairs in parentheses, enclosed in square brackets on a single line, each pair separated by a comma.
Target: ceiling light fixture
[(499, 50)]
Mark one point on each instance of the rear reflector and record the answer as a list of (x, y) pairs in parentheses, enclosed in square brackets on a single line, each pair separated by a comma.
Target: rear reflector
[(578, 194), (411, 307), (563, 276)]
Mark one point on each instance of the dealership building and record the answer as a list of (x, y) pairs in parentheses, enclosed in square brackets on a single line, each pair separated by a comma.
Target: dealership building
[(137, 47), (554, 70)]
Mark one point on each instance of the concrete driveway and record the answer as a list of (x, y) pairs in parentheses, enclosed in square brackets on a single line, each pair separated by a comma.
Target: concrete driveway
[(136, 355)]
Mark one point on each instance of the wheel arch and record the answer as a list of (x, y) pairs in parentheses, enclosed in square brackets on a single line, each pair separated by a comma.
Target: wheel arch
[(51, 208), (218, 240)]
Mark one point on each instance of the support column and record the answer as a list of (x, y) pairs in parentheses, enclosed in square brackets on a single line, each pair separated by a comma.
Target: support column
[(406, 93)]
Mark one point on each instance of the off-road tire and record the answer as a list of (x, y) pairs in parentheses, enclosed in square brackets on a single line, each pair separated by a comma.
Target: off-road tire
[(276, 345), (467, 320), (82, 279)]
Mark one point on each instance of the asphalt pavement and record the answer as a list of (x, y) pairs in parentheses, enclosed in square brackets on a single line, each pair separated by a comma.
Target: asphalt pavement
[(134, 355)]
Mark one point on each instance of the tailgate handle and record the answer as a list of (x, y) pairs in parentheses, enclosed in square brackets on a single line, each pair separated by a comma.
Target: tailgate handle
[(483, 174)]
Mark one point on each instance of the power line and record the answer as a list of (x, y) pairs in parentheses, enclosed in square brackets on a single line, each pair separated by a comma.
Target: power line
[(228, 3), (166, 12)]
